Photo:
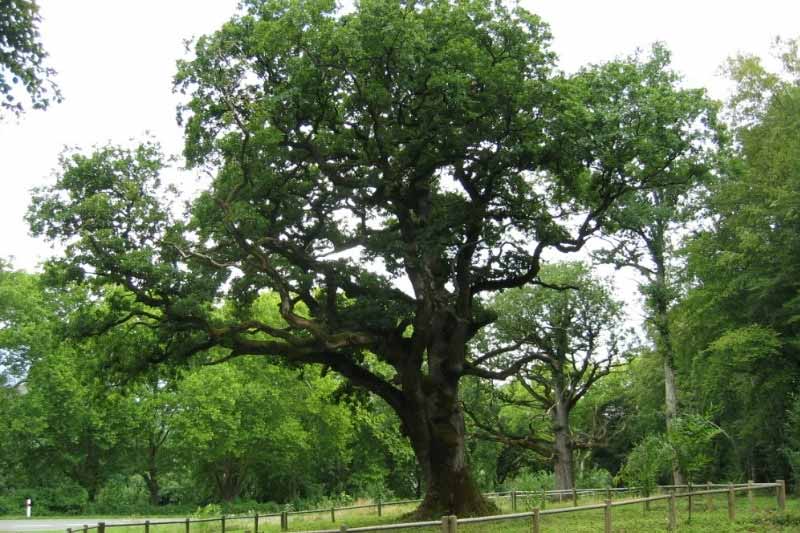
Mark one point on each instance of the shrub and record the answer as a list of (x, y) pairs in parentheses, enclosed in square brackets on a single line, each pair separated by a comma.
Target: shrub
[(532, 481), (595, 478), (647, 463)]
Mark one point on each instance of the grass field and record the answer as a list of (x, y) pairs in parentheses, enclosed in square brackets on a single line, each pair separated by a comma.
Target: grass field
[(630, 518)]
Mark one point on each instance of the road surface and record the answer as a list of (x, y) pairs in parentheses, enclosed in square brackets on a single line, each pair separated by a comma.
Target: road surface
[(61, 524)]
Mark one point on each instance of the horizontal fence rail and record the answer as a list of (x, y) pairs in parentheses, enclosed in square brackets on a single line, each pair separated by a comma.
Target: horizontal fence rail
[(449, 524)]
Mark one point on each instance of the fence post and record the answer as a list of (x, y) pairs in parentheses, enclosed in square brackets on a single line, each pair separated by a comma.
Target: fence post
[(750, 500), (709, 498), (147, 526), (544, 498), (452, 523), (445, 524), (187, 525), (689, 505), (343, 528), (536, 528), (380, 511), (574, 497), (607, 516), (608, 492), (671, 519), (101, 527), (222, 522), (284, 521), (781, 492), (85, 528), (333, 516), (255, 523), (731, 503), (513, 501)]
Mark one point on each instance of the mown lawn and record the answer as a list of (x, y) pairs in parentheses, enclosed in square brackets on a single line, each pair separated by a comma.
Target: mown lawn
[(630, 518)]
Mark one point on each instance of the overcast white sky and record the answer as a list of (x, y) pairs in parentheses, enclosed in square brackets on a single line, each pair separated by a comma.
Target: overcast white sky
[(116, 59)]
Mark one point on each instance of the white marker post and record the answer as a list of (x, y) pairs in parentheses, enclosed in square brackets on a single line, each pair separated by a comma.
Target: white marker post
[(28, 505)]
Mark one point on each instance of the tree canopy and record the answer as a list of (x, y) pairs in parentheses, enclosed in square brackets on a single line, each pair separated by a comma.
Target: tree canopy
[(576, 334)]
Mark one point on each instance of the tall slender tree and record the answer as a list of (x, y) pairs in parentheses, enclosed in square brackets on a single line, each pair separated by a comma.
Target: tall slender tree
[(648, 225)]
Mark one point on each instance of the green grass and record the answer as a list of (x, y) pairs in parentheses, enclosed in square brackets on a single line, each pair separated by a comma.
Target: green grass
[(629, 518)]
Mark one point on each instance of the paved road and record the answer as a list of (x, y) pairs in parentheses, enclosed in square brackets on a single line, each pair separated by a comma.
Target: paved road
[(61, 524)]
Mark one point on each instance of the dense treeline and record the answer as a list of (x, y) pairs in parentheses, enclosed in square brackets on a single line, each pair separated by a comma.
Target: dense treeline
[(241, 357), (78, 435)]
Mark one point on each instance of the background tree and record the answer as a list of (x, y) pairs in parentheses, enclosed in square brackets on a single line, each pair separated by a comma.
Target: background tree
[(738, 325), (624, 407), (22, 58), (80, 435), (648, 225), (430, 138), (571, 336), (153, 451), (64, 426), (383, 463)]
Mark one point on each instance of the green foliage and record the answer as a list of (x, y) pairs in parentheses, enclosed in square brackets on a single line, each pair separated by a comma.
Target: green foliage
[(74, 428), (546, 318), (22, 58), (250, 427), (691, 438), (689, 443), (756, 87), (738, 326), (648, 463), (383, 463), (792, 448), (210, 510), (60, 498), (594, 478), (532, 481)]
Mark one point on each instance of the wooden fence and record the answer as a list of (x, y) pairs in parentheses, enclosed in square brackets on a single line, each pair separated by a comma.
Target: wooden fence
[(449, 524)]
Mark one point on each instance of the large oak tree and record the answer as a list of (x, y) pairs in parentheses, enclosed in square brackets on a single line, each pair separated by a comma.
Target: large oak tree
[(380, 170)]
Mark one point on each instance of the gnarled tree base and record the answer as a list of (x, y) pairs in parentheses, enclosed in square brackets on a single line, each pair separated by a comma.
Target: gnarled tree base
[(461, 498)]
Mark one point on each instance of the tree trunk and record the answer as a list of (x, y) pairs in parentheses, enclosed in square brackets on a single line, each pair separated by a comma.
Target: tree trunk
[(439, 445), (153, 488), (563, 461), (229, 481), (88, 473), (151, 475), (434, 422), (562, 443), (660, 304), (671, 410)]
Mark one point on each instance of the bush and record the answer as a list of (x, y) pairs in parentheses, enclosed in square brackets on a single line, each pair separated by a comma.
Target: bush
[(59, 499), (596, 478), (647, 463), (531, 481), (792, 448), (122, 495), (9, 504)]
